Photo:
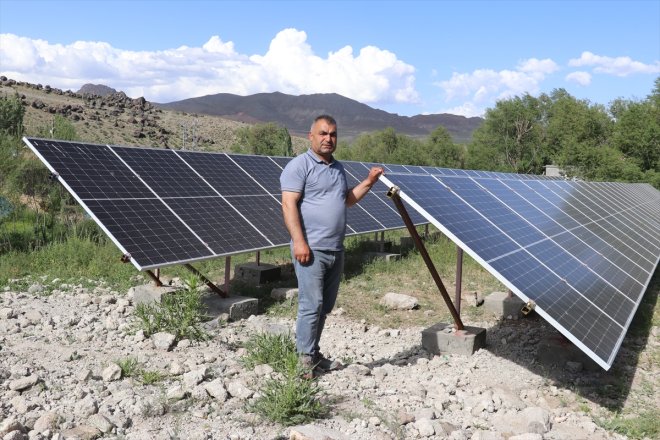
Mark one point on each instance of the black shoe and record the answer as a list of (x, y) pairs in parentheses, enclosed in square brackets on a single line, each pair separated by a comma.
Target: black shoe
[(326, 364)]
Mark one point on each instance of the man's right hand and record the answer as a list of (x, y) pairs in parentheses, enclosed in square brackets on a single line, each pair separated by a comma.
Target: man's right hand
[(302, 252)]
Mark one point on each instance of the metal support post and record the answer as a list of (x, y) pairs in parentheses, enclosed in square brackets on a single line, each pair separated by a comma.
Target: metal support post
[(459, 278), (227, 273), (258, 258), (206, 281), (155, 279), (393, 193)]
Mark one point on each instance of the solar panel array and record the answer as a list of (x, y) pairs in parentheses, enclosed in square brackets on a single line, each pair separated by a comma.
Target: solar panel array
[(583, 252), (163, 207)]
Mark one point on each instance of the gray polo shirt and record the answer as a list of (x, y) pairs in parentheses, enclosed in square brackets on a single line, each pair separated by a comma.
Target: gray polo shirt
[(322, 205)]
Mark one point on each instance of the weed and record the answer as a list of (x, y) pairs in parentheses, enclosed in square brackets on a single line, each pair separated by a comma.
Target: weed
[(646, 424), (290, 399), (180, 313), (129, 366), (271, 349), (150, 377)]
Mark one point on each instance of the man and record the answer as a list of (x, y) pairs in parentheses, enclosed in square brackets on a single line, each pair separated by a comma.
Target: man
[(315, 196)]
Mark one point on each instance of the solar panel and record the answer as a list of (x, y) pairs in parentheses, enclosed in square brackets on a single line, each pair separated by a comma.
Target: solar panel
[(584, 253), (164, 207)]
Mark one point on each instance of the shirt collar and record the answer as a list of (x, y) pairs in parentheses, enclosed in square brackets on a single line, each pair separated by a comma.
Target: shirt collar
[(319, 160)]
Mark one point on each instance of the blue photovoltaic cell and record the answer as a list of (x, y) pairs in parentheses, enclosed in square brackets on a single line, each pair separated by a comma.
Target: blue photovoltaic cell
[(263, 170), (164, 172), (148, 231), (222, 173), (91, 171), (223, 229), (265, 212), (583, 252)]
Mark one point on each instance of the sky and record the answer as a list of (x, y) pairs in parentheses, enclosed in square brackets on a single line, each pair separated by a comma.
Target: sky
[(404, 57)]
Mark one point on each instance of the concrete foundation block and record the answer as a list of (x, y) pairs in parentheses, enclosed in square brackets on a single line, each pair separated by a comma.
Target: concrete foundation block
[(368, 256), (149, 293), (444, 338), (235, 307), (406, 244), (256, 274), (503, 304), (556, 351)]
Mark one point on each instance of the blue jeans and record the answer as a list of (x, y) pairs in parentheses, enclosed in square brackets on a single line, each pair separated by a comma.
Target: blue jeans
[(318, 285)]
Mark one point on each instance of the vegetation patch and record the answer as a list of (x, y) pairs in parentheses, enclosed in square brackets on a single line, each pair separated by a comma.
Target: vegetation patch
[(180, 313)]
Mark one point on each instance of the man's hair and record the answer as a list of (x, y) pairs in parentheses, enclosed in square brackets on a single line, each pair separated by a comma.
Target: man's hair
[(327, 118)]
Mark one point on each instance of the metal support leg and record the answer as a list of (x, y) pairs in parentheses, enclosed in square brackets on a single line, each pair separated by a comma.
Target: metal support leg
[(393, 193), (459, 278), (258, 258), (227, 273), (206, 281), (155, 279)]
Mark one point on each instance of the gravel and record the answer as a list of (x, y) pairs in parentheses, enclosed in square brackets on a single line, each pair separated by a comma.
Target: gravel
[(59, 379)]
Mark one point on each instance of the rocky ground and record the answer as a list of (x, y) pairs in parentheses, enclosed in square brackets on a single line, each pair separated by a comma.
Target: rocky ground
[(59, 379)]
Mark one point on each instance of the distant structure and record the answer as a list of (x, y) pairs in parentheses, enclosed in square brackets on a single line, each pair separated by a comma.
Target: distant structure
[(554, 171)]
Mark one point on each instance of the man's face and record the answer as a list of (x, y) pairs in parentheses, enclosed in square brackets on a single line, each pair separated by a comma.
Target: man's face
[(324, 139)]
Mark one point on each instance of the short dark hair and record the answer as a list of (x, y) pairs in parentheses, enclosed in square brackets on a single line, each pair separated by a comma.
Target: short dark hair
[(327, 118)]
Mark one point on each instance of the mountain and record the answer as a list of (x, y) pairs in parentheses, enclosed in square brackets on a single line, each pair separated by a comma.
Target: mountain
[(96, 89), (295, 113)]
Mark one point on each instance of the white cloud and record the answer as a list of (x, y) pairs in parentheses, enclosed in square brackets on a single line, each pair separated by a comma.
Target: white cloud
[(484, 86), (289, 66), (582, 78), (619, 66)]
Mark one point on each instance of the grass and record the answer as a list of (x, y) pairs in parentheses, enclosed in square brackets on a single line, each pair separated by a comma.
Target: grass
[(635, 426), (73, 259), (271, 349), (130, 367), (180, 313), (287, 399)]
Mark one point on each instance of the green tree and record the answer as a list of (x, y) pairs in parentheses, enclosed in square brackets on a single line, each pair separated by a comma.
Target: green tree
[(11, 115), (637, 130), (264, 139), (442, 151), (510, 139), (61, 128)]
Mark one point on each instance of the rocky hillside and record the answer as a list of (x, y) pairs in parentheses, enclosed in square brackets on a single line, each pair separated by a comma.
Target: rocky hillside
[(116, 119)]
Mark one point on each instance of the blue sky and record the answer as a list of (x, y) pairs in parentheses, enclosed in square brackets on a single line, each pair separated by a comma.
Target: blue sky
[(405, 57)]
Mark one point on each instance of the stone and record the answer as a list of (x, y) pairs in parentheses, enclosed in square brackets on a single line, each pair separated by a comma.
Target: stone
[(216, 389), (47, 421), (284, 293), (23, 383), (82, 432), (101, 422), (111, 373), (398, 301), (312, 432), (163, 340)]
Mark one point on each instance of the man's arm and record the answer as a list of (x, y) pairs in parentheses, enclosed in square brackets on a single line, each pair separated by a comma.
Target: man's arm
[(291, 213), (356, 193)]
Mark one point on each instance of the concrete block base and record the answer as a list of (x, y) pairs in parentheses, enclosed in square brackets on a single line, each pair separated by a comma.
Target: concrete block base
[(368, 256), (443, 338), (256, 274), (556, 351), (503, 304), (406, 244), (236, 307), (149, 293)]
